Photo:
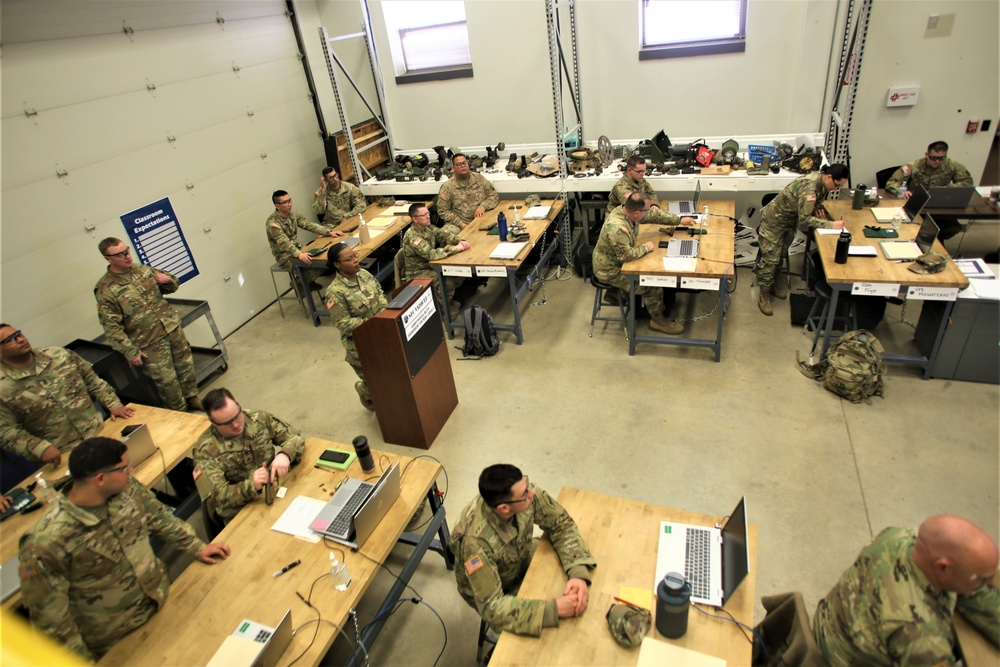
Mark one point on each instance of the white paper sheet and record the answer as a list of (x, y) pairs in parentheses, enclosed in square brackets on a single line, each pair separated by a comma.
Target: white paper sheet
[(297, 518)]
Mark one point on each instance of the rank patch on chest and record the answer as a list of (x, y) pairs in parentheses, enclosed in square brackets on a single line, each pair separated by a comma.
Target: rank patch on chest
[(473, 564)]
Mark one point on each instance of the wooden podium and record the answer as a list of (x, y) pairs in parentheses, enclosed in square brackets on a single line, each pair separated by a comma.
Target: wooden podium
[(408, 370)]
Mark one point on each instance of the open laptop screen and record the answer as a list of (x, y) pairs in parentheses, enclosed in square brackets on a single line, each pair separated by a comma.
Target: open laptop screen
[(916, 202), (735, 550), (927, 234)]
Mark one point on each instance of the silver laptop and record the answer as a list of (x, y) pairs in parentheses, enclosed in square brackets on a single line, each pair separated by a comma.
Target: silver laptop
[(907, 251), (686, 208), (139, 442), (908, 212), (713, 561), (10, 580), (356, 509), (254, 644), (685, 248)]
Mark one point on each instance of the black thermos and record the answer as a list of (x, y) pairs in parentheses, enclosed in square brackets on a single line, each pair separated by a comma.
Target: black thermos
[(843, 247), (364, 453), (673, 600)]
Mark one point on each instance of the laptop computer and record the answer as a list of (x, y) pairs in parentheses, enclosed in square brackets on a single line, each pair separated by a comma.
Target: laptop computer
[(713, 561), (907, 251), (686, 208), (357, 507), (950, 197), (254, 644), (908, 212), (682, 248), (10, 580), (139, 442)]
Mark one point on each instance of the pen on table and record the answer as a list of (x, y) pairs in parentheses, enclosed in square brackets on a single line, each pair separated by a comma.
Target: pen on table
[(631, 604), (286, 569)]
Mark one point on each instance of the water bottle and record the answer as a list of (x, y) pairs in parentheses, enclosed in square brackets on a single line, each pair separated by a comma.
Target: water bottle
[(364, 453), (843, 247), (341, 577), (363, 231), (859, 198), (43, 492), (673, 600), (502, 226), (902, 191)]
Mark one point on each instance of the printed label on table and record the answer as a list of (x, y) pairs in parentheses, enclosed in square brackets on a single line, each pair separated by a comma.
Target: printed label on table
[(699, 283), (875, 289), (491, 271), (658, 281), (932, 293), (464, 271), (415, 316)]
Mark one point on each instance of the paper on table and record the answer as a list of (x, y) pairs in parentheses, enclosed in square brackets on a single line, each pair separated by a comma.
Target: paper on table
[(382, 221), (986, 289), (823, 231), (639, 597), (862, 251), (298, 516), (654, 652)]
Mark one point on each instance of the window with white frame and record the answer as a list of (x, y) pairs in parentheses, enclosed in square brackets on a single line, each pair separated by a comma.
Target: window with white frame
[(428, 39), (676, 28)]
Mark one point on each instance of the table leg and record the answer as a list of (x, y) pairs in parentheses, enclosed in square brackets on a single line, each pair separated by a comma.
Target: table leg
[(512, 283), (722, 313), (831, 317), (632, 280), (445, 311), (439, 545), (304, 280), (929, 365)]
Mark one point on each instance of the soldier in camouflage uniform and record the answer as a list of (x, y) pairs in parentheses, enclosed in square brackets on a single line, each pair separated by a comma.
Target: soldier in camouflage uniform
[(282, 229), (894, 605), (617, 245), (933, 170), (493, 544), (47, 399), (241, 452), (88, 573), (353, 298), (142, 326), (336, 199), (465, 196), (634, 180), (795, 207), (422, 244)]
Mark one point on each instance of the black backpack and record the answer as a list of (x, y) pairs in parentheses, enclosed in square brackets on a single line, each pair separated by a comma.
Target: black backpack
[(480, 336)]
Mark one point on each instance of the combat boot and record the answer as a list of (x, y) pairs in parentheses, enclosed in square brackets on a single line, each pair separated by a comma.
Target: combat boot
[(777, 291), (663, 325), (764, 301), (359, 387)]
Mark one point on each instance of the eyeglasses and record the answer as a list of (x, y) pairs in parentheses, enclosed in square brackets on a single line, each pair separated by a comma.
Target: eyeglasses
[(421, 215), (11, 338), (121, 255), (282, 203), (936, 158), (638, 171), (118, 469), (231, 421), (460, 164), (527, 493)]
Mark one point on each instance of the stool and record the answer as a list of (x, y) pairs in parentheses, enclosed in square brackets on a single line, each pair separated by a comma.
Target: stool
[(280, 296), (813, 323), (483, 639), (601, 288)]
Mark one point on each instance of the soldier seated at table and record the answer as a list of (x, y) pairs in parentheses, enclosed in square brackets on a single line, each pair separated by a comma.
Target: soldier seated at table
[(88, 572), (465, 196), (422, 244), (493, 544), (241, 451)]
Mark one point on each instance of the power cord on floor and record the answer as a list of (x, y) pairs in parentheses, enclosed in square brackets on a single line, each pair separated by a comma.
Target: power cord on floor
[(319, 619), (389, 611), (386, 568)]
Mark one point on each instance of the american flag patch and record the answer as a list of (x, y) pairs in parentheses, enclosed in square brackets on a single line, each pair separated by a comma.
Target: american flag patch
[(811, 198), (906, 169), (26, 570), (473, 564)]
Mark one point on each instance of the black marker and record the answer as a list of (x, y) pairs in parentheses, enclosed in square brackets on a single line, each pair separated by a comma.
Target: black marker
[(286, 569)]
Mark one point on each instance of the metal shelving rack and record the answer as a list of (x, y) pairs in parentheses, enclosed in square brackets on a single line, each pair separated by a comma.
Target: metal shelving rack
[(842, 110), (361, 173)]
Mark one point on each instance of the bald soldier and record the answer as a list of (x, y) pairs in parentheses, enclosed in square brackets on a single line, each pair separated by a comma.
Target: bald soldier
[(493, 544), (894, 605)]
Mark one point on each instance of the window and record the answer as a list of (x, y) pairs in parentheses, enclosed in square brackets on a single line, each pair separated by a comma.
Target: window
[(677, 28), (429, 40)]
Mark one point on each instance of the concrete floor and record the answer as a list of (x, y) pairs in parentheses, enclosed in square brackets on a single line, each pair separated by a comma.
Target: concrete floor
[(667, 426)]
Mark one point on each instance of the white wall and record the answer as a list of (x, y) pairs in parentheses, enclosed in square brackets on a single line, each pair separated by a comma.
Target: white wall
[(71, 62)]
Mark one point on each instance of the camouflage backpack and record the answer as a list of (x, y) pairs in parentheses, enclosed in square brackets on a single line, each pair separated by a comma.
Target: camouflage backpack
[(853, 367)]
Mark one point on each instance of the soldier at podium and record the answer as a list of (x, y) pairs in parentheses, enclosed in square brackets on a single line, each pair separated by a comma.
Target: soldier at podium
[(353, 298)]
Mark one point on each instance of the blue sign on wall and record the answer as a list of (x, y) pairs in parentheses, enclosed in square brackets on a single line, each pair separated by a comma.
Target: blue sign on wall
[(159, 241)]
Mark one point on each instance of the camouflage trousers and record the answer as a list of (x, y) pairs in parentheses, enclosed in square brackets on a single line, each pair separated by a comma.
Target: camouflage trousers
[(354, 361), (450, 285), (652, 297), (170, 365), (774, 243), (451, 228)]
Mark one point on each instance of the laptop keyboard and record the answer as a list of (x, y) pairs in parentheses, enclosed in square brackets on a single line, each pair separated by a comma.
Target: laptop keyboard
[(687, 247), (342, 523), (698, 562)]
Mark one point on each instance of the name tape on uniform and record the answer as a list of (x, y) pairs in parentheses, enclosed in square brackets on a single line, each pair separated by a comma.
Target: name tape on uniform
[(700, 283), (491, 271), (463, 271), (932, 293), (658, 281), (875, 289)]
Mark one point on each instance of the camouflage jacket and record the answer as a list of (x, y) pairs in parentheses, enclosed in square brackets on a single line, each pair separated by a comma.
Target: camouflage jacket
[(351, 304), (89, 577), (458, 201), (885, 611), (51, 403), (919, 172), (493, 556), (228, 463), (335, 205), (420, 247), (626, 185), (283, 235), (132, 309), (795, 205), (617, 241)]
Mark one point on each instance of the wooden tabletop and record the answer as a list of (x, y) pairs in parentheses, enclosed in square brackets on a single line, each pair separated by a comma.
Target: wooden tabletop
[(878, 269), (206, 603), (374, 215), (173, 432), (623, 536), (976, 648), (482, 243), (716, 249)]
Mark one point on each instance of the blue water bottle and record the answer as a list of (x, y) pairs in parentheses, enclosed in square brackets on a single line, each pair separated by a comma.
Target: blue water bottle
[(502, 226)]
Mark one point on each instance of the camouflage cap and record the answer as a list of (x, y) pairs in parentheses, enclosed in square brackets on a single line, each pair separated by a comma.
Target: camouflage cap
[(628, 624), (928, 263), (532, 200), (387, 201)]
